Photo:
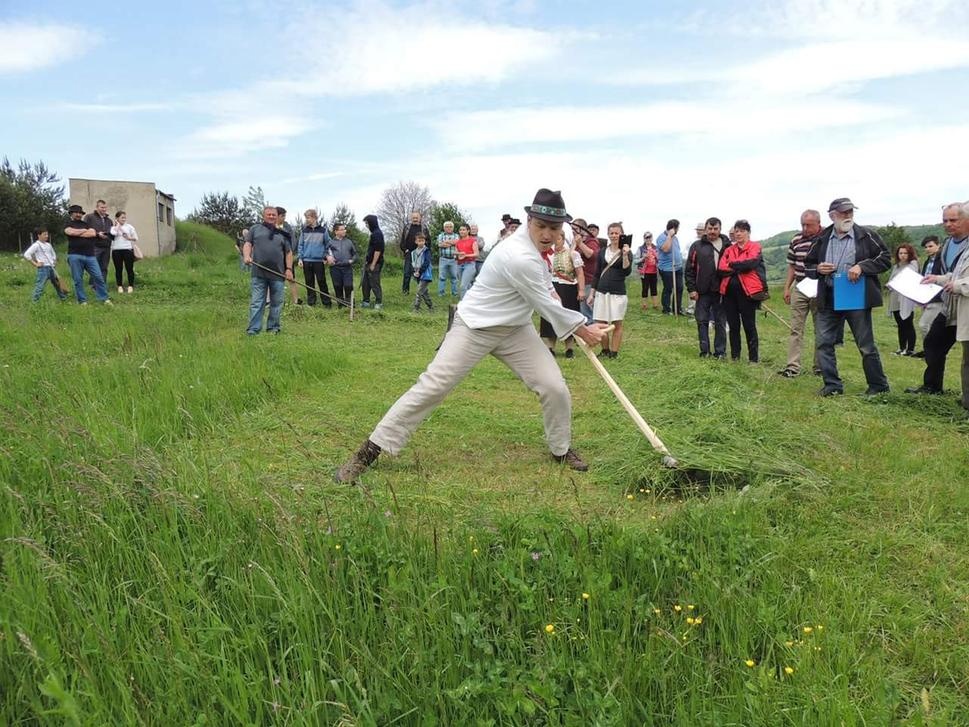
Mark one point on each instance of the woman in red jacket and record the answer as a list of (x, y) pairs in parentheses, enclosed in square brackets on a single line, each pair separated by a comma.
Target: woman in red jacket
[(743, 285)]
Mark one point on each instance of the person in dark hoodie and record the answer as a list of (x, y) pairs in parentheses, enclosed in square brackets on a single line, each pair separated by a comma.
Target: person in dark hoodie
[(408, 245), (703, 284), (373, 263)]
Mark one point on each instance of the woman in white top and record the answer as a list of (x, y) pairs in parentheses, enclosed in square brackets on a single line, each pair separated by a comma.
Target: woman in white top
[(122, 250), (901, 308)]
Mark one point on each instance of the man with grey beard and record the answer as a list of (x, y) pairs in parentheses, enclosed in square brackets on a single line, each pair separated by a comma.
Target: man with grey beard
[(859, 254)]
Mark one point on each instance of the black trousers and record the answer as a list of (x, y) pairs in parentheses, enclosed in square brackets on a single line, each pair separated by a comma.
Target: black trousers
[(408, 273), (103, 255), (906, 331), (741, 310), (937, 343), (127, 259), (314, 273), (668, 293), (371, 282)]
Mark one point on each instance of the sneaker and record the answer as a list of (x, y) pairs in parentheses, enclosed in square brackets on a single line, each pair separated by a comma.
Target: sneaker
[(120, 289), (365, 304), (358, 463), (919, 354), (378, 306), (788, 373), (872, 391), (131, 289), (572, 459), (569, 353), (899, 352), (107, 301), (825, 391)]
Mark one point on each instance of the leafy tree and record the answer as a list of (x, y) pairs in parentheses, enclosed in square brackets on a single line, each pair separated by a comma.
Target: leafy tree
[(30, 196), (441, 212), (395, 207), (223, 212), (342, 214), (893, 236), (254, 203)]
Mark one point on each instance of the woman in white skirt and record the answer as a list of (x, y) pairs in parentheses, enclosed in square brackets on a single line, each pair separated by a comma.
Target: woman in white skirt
[(608, 299)]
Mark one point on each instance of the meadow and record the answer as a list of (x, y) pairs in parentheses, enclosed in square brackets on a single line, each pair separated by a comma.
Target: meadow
[(173, 549)]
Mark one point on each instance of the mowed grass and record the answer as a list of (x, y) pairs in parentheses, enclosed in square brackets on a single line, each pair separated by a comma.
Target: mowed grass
[(173, 549)]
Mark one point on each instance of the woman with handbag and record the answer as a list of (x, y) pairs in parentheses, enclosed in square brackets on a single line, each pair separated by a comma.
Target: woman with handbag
[(743, 284), (123, 242)]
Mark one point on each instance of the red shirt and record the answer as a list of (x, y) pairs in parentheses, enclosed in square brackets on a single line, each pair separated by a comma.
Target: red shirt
[(465, 246), (590, 265)]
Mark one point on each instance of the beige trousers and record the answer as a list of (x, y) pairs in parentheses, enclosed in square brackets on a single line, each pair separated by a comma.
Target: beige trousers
[(801, 305), (518, 347)]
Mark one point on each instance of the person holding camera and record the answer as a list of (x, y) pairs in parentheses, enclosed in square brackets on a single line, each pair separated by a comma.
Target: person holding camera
[(608, 299)]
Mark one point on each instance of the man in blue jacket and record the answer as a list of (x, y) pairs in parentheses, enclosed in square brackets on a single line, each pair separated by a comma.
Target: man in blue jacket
[(311, 253), (857, 252)]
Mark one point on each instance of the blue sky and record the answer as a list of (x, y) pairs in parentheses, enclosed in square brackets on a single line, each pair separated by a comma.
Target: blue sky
[(637, 111)]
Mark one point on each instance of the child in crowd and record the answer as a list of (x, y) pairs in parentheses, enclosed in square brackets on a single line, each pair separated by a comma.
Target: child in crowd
[(42, 256), (122, 250), (420, 258), (645, 261), (901, 308), (568, 280), (609, 299), (341, 254)]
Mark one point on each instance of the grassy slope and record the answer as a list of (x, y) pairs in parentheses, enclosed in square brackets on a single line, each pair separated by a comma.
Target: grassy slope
[(173, 549)]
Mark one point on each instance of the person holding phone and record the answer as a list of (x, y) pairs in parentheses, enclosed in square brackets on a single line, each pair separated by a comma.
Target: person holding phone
[(609, 299)]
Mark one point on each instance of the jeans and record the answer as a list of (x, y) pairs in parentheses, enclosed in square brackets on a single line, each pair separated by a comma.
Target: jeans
[(741, 310), (448, 269), (940, 339), (124, 258), (78, 264), (103, 255), (709, 308), (45, 273), (667, 276), (408, 273), (584, 308), (468, 273), (257, 304), (342, 277), (314, 274), (830, 323), (371, 282)]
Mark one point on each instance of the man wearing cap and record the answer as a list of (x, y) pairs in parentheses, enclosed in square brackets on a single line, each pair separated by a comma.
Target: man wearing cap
[(800, 304), (703, 284), (495, 317), (845, 248), (81, 255), (942, 336)]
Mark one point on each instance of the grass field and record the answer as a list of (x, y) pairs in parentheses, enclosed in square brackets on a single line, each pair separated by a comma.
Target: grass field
[(173, 549)]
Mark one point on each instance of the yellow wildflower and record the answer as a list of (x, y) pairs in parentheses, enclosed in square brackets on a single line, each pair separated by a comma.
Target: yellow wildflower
[(337, 546), (750, 663), (690, 607), (474, 551), (698, 620), (629, 497), (585, 596), (550, 629), (677, 608), (657, 611), (808, 629), (788, 670), (788, 644)]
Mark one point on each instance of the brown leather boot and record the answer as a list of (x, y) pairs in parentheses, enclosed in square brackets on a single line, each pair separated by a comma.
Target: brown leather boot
[(358, 463), (572, 459)]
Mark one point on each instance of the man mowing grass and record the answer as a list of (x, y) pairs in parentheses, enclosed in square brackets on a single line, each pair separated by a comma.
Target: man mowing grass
[(496, 317)]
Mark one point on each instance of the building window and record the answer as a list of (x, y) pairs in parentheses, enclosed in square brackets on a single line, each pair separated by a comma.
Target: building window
[(168, 215), (161, 212)]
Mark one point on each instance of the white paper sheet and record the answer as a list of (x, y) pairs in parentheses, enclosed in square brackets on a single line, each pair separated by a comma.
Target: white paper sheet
[(808, 286), (908, 284)]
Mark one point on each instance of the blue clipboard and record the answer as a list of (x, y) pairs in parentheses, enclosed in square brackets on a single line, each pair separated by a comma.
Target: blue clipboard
[(848, 295)]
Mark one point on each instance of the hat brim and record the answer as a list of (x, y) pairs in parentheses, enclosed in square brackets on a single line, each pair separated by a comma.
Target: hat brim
[(843, 208), (548, 218)]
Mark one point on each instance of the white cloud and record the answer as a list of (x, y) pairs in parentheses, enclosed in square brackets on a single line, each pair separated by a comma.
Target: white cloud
[(488, 129), (28, 47), (234, 138)]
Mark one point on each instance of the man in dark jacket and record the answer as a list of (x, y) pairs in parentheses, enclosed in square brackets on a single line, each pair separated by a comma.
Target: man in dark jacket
[(407, 246), (373, 263), (703, 284), (100, 222), (857, 253)]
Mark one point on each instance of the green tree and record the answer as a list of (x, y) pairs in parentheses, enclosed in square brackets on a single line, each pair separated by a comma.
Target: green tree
[(893, 236), (342, 214), (442, 212), (254, 203), (30, 196), (223, 212)]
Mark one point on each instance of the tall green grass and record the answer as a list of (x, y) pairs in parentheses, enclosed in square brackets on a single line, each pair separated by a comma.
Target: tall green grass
[(173, 550)]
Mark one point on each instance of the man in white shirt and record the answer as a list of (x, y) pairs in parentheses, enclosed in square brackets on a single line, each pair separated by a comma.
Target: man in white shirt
[(496, 317)]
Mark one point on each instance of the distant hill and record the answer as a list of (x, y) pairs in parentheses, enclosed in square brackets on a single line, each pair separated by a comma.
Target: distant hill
[(775, 246)]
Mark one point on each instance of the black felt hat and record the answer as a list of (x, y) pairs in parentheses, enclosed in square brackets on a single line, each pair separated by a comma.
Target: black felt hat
[(548, 206)]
